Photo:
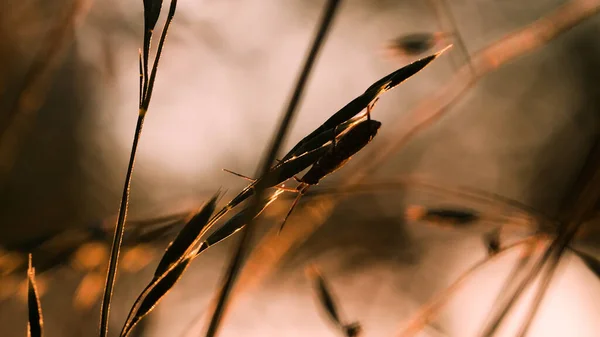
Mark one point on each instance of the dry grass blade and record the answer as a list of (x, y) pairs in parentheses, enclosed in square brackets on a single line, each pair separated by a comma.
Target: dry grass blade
[(537, 301), (154, 293), (591, 262), (468, 193), (120, 227), (177, 252), (236, 260), (578, 209), (428, 311), (151, 13), (234, 224), (36, 321), (150, 85), (360, 103), (186, 238)]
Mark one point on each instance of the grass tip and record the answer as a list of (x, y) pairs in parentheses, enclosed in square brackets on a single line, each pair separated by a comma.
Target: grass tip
[(444, 50)]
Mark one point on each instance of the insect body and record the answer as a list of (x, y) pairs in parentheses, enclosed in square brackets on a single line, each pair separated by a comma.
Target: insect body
[(281, 172), (348, 145)]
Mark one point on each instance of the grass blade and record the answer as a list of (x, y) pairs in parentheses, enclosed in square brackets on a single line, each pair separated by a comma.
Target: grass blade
[(591, 262), (177, 252), (188, 235), (428, 311), (234, 224), (236, 260), (151, 13), (150, 85), (154, 293), (360, 103), (36, 322)]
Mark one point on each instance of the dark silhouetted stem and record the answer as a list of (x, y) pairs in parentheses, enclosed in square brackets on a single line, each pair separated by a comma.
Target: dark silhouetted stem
[(246, 235)]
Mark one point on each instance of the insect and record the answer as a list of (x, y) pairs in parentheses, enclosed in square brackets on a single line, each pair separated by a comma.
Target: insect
[(348, 145), (339, 154), (281, 172), (414, 44)]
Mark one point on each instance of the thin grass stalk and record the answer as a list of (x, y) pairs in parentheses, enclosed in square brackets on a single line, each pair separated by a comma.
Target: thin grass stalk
[(461, 42), (247, 231), (120, 228), (539, 297), (562, 19), (517, 270), (585, 203), (457, 191), (429, 310)]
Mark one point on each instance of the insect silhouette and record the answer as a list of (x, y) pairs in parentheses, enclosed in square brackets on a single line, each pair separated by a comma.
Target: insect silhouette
[(281, 172), (352, 141)]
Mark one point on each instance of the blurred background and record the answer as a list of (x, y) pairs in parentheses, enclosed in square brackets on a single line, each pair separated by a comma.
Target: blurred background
[(68, 95)]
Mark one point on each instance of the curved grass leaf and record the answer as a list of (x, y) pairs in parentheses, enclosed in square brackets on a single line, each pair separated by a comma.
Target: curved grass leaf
[(361, 102), (234, 224), (186, 237), (154, 293), (36, 322), (177, 250), (591, 262)]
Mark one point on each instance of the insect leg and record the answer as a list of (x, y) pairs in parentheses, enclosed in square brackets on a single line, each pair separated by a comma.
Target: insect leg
[(370, 108), (300, 191)]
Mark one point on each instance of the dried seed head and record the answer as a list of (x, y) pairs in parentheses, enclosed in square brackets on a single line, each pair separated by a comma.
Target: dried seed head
[(415, 212), (492, 242)]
